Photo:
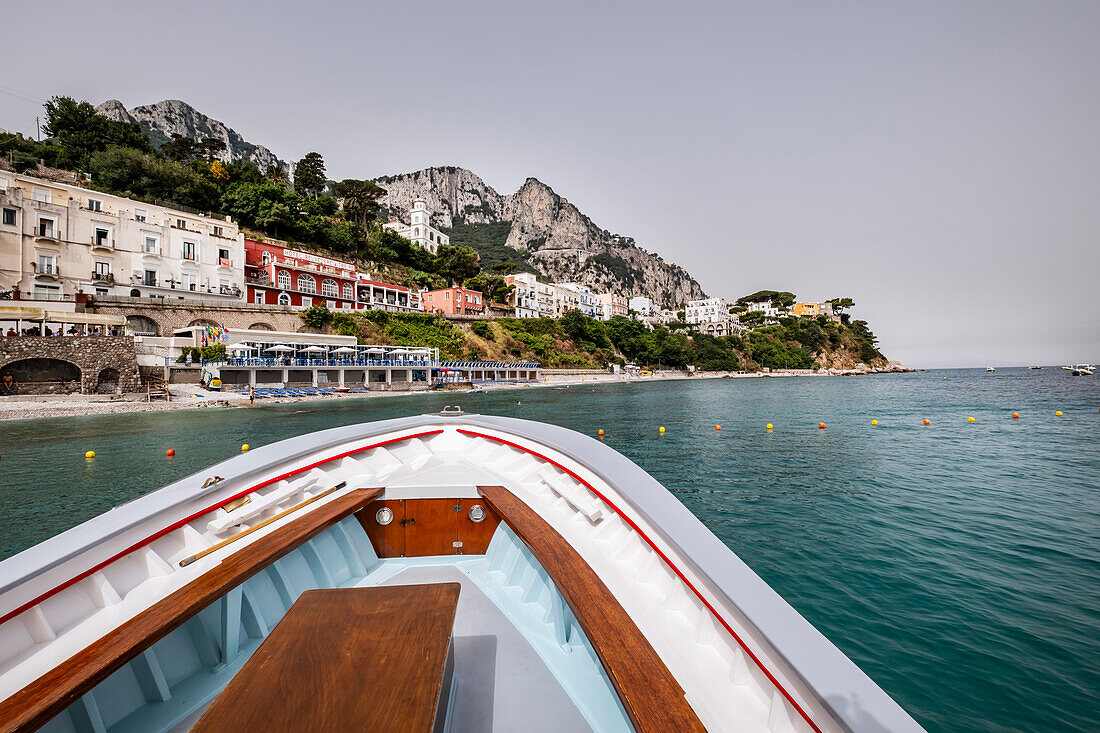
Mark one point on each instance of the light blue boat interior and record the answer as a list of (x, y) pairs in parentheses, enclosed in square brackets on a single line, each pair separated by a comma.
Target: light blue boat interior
[(521, 659)]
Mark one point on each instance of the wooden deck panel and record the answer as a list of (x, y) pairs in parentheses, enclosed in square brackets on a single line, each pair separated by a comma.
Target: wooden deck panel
[(353, 659), (51, 693), (650, 694)]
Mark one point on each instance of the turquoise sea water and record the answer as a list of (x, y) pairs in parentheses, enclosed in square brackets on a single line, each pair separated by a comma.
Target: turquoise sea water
[(958, 563)]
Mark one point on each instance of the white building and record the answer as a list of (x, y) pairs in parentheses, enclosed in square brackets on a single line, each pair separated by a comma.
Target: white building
[(525, 294), (585, 301), (706, 311), (766, 307), (58, 239), (419, 229), (642, 306)]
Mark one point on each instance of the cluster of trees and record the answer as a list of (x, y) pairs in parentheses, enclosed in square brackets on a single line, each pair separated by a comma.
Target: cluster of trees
[(341, 217)]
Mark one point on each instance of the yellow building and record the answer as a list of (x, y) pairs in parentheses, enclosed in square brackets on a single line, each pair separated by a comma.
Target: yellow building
[(812, 309)]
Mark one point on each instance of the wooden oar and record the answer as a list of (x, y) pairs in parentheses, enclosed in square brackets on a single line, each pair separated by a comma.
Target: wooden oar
[(213, 548)]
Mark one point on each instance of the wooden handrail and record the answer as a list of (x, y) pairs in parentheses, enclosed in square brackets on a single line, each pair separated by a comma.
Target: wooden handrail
[(650, 694), (51, 693), (229, 540)]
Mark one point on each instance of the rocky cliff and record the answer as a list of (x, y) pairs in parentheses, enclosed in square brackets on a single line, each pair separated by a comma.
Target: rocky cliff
[(561, 241), (164, 119)]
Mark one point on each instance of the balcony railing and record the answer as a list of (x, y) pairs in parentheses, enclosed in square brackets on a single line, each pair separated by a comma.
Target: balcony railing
[(43, 233), (48, 270), (104, 277), (103, 242)]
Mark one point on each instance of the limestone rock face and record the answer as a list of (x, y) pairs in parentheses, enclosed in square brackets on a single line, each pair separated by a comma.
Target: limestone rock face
[(454, 196), (171, 116), (563, 243)]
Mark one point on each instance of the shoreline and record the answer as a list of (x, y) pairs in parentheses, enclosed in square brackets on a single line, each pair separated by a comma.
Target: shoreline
[(192, 397)]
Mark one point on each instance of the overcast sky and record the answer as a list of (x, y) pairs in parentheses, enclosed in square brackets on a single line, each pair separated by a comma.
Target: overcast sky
[(938, 162)]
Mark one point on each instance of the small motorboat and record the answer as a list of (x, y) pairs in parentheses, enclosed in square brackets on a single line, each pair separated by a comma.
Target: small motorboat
[(1034, 367), (990, 369), (1080, 370), (447, 572)]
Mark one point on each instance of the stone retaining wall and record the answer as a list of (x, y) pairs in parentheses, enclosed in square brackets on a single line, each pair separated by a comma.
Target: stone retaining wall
[(91, 355)]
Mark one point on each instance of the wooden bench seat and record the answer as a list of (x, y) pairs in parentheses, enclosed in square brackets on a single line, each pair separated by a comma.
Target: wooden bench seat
[(51, 693), (353, 659), (650, 694)]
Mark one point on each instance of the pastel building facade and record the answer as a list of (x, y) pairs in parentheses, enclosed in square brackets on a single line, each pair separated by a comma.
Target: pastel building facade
[(419, 229), (454, 301), (57, 240), (812, 309), (614, 305), (579, 297)]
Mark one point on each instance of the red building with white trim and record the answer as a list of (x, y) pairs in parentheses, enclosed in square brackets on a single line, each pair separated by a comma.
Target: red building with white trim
[(374, 295), (278, 275), (454, 301)]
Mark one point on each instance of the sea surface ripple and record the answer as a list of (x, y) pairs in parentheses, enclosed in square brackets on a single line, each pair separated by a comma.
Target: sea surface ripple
[(958, 563)]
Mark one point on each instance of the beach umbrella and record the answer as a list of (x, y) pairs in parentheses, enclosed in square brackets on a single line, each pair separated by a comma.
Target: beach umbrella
[(315, 349), (376, 351), (239, 347), (347, 350), (280, 347)]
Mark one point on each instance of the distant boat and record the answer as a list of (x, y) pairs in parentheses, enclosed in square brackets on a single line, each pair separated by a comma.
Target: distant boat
[(1080, 370), (1035, 367), (990, 369)]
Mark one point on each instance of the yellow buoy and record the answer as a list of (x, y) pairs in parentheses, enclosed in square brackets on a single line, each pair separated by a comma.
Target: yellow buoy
[(89, 454), (970, 419), (769, 426), (1059, 413), (874, 422), (244, 447), (662, 430)]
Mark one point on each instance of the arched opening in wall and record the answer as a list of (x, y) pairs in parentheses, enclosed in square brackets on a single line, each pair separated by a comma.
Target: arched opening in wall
[(284, 299), (204, 322), (107, 382), (135, 293), (261, 326), (142, 326), (39, 376)]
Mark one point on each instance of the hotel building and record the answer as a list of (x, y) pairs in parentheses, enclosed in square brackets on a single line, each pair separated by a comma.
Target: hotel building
[(278, 275), (58, 239)]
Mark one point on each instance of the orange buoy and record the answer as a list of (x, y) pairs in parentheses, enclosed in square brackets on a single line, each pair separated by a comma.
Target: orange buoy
[(717, 427), (600, 431), (821, 425), (170, 452), (927, 422), (1015, 416)]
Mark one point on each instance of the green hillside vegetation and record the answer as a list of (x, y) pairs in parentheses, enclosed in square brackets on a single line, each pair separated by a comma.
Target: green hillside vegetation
[(488, 240), (120, 159), (576, 341)]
